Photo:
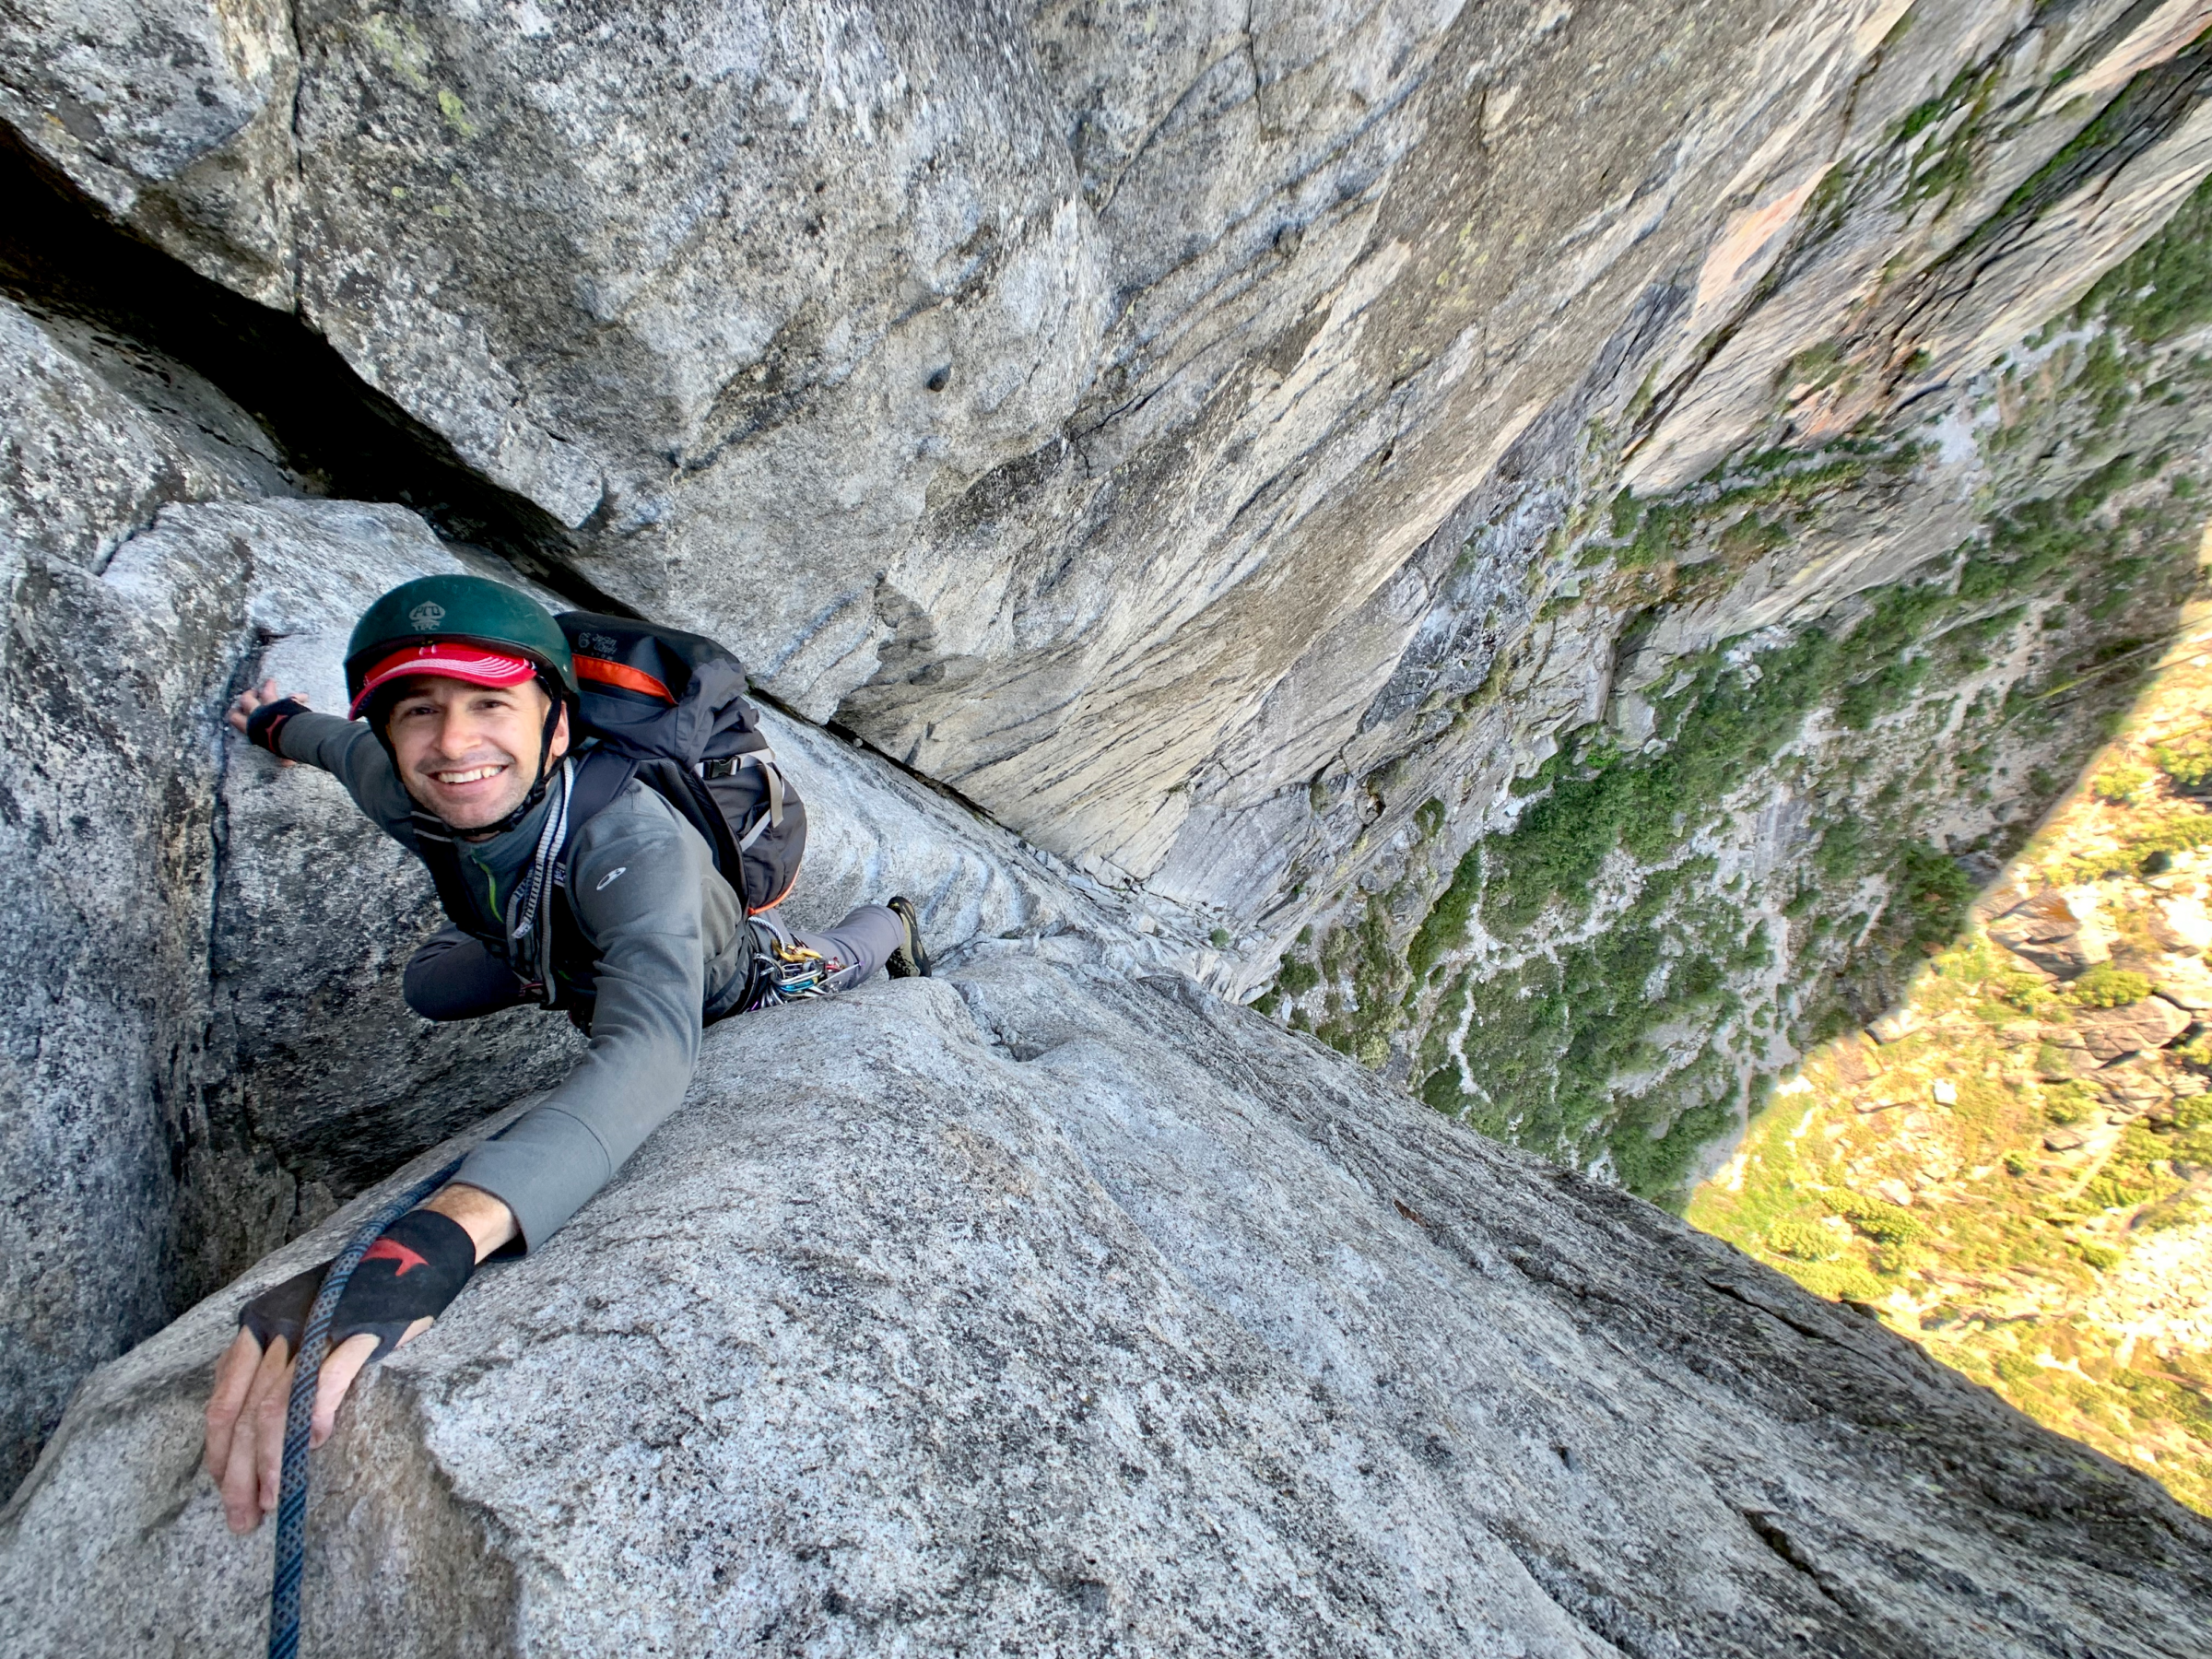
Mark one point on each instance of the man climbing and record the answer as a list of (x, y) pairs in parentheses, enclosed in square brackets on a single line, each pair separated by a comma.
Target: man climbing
[(592, 876)]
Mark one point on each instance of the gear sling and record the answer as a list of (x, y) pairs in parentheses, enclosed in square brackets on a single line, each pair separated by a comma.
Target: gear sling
[(666, 708)]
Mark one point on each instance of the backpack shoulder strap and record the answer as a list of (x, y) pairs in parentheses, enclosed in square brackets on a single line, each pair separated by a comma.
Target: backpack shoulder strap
[(601, 775)]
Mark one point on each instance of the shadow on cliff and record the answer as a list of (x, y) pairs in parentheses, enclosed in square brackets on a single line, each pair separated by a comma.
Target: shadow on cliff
[(338, 435)]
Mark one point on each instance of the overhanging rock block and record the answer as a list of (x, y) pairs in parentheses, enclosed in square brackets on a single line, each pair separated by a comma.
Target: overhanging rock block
[(1042, 1309)]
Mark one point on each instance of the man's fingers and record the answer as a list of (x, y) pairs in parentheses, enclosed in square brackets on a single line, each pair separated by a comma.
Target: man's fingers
[(246, 702), (341, 1367), (233, 1375), (269, 1415), (242, 1475)]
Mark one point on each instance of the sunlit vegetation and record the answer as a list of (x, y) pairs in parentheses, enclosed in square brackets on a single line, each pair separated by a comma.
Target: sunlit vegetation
[(2035, 1216)]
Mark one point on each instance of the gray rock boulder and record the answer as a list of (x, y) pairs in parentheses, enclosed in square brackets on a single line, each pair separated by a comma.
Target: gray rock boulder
[(2045, 931), (2151, 1023), (106, 844), (203, 1045), (2185, 982), (1039, 1309)]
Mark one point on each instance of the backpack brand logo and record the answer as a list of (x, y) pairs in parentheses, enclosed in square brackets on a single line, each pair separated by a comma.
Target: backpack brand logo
[(599, 644), (427, 615)]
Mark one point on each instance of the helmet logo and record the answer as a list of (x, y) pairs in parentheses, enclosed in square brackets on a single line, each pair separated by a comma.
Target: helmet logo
[(427, 616)]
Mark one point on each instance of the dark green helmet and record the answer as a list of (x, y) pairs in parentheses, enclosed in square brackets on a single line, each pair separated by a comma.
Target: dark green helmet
[(464, 628)]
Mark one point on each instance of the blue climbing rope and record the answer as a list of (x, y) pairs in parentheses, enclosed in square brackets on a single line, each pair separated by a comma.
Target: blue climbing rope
[(300, 1414)]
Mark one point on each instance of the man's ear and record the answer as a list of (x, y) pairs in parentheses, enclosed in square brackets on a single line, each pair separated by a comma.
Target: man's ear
[(560, 732)]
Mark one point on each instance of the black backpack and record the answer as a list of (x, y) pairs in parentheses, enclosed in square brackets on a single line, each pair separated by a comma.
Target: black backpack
[(666, 708), (669, 707)]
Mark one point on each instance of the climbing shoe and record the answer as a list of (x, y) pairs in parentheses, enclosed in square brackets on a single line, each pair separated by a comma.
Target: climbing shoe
[(911, 960)]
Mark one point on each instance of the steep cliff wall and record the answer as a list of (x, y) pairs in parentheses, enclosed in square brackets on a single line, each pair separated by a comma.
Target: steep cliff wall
[(1673, 778), (1062, 395), (1720, 806), (1586, 510)]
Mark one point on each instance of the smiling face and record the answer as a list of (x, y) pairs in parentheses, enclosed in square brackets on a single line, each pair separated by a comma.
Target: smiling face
[(469, 753)]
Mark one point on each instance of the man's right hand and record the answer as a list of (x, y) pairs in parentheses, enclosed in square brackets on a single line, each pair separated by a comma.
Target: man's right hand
[(393, 1299), (245, 1417)]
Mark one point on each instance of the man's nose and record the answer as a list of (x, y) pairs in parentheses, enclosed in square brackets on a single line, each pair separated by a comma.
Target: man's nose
[(457, 732)]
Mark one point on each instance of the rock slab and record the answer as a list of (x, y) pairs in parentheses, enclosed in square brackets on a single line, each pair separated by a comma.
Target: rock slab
[(1042, 1310)]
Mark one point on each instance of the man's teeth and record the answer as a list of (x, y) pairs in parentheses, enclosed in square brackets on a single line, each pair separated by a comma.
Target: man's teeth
[(472, 775)]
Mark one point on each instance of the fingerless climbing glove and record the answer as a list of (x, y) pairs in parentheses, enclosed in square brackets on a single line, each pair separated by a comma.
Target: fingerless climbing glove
[(412, 1271), (264, 725)]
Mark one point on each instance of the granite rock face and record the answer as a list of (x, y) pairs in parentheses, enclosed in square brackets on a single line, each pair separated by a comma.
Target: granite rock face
[(1336, 479), (1039, 1308), (1010, 381), (191, 1065), (2139, 1028), (206, 1047)]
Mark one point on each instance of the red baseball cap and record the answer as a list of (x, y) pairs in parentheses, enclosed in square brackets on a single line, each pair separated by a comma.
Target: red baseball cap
[(445, 658)]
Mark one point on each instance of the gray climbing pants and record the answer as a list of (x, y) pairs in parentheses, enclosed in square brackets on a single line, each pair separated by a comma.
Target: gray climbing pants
[(455, 975)]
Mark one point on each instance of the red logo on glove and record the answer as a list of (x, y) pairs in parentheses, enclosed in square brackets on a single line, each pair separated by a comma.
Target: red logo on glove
[(385, 1250)]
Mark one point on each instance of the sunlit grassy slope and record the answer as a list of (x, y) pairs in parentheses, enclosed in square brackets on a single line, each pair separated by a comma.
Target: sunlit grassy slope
[(2015, 1169)]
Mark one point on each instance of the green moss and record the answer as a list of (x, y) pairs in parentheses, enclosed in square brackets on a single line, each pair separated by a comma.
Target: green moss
[(1444, 928), (1929, 896), (1818, 365), (1947, 170), (1723, 725), (2188, 762), (1884, 1222), (1656, 531), (2165, 288), (1806, 1241), (1366, 956), (1658, 1168), (2105, 986)]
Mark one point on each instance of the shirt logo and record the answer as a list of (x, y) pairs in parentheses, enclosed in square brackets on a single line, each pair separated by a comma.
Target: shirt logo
[(607, 880), (391, 1250), (427, 616)]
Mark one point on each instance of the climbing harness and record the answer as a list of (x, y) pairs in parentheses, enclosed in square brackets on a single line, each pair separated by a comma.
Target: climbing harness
[(300, 1413), (786, 969)]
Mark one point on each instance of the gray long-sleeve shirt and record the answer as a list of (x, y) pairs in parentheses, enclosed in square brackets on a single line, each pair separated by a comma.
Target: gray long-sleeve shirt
[(665, 929)]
